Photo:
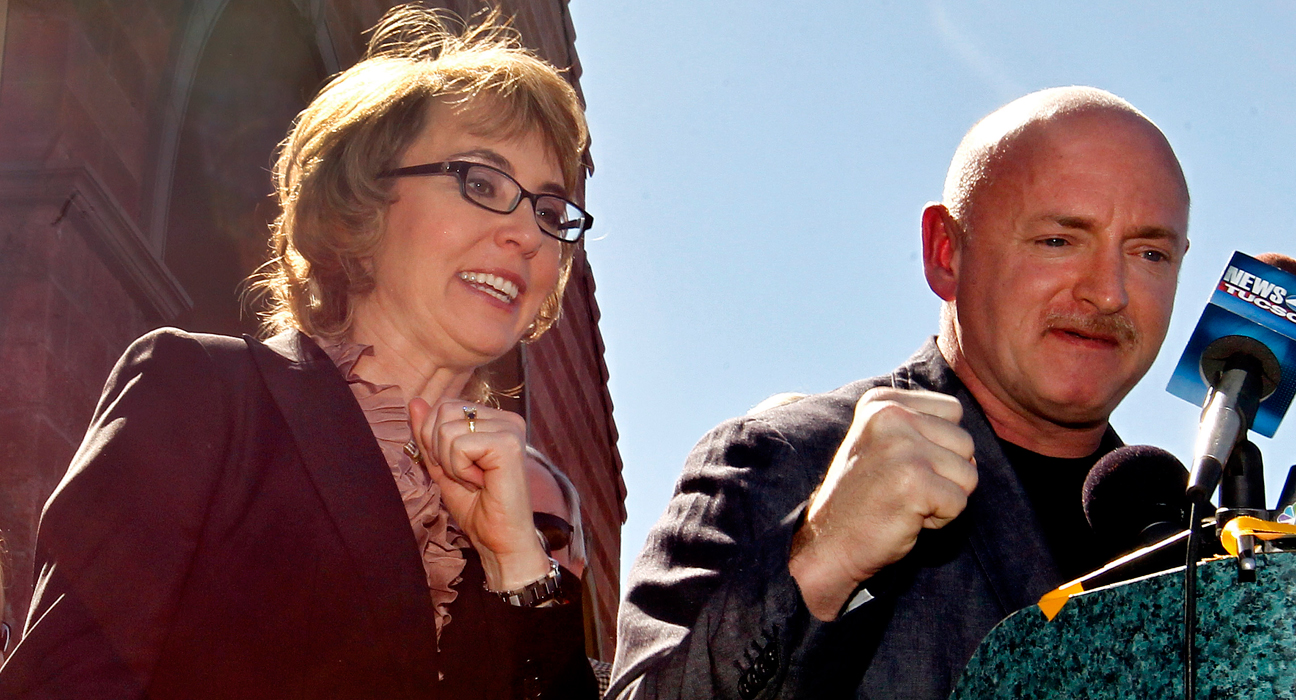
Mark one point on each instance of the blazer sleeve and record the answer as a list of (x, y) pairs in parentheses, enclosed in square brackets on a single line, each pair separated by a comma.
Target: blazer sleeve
[(118, 535), (551, 659), (711, 609), (491, 649)]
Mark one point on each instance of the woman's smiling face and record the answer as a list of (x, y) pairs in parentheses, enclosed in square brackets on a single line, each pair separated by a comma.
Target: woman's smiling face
[(462, 283)]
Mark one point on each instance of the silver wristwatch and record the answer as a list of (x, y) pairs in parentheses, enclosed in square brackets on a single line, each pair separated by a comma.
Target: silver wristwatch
[(541, 590)]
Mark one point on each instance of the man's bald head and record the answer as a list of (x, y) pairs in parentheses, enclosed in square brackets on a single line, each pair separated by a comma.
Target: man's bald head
[(1057, 251), (1004, 137)]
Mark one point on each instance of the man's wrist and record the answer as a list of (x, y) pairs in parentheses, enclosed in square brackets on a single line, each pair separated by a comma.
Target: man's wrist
[(824, 586)]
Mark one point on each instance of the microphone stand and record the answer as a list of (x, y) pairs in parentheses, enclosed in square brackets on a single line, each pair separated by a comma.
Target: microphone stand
[(1239, 368), (1241, 493)]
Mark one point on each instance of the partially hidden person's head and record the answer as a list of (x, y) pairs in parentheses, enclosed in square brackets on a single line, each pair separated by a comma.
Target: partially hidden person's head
[(1057, 249), (556, 505), (487, 142)]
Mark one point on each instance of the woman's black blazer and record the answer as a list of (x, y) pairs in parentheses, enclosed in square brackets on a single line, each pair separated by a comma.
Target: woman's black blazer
[(230, 529)]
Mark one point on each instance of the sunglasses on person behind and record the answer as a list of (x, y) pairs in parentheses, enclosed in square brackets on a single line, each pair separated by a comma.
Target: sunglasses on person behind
[(555, 533)]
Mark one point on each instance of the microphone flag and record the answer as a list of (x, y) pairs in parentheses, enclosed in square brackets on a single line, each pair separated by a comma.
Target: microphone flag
[(1255, 300)]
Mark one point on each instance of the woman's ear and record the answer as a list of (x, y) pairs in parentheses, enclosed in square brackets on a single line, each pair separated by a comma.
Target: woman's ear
[(941, 241)]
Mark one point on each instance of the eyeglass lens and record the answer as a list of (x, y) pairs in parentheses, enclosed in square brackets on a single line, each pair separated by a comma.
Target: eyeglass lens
[(498, 192), (555, 531)]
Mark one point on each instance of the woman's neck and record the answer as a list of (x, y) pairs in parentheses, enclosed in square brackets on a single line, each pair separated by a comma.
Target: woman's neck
[(397, 360)]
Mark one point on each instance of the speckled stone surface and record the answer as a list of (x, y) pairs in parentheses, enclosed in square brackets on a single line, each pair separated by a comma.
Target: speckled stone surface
[(1124, 641)]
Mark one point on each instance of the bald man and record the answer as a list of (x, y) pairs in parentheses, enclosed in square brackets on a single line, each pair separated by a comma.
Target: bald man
[(861, 543)]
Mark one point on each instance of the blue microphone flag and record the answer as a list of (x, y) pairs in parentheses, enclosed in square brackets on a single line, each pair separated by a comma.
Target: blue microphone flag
[(1256, 300)]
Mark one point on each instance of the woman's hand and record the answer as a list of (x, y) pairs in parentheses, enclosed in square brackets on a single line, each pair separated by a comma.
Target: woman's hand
[(483, 485)]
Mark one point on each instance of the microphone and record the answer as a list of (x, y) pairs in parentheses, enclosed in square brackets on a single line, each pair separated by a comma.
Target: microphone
[(1240, 371), (1239, 363), (1134, 497), (1233, 366)]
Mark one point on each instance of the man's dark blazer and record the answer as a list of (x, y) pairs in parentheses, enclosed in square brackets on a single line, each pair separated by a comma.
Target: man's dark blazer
[(230, 529), (712, 611)]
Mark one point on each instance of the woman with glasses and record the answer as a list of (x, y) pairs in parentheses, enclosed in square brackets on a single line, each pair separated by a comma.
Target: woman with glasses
[(339, 511)]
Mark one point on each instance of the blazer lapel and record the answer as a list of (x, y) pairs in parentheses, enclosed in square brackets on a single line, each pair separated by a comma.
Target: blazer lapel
[(1006, 536), (351, 476), (1004, 533)]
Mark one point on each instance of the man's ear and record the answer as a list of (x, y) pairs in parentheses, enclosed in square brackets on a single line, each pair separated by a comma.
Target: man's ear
[(941, 240)]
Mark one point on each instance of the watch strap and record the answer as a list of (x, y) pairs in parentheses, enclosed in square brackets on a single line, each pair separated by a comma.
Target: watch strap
[(541, 590)]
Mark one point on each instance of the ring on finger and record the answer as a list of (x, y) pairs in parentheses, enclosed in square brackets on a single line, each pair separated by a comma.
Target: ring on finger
[(470, 412)]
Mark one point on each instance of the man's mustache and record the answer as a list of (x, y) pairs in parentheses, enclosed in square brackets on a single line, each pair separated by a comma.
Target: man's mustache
[(1115, 327)]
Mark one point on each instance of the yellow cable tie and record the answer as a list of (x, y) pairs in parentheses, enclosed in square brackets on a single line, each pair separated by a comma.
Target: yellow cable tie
[(1247, 525), (1052, 602)]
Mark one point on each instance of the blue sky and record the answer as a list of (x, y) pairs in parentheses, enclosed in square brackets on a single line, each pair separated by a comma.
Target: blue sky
[(761, 168)]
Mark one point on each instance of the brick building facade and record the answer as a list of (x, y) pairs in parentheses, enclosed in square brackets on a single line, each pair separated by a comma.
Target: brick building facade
[(135, 144)]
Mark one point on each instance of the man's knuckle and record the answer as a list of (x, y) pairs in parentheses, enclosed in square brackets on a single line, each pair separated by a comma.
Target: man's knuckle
[(888, 417), (910, 475)]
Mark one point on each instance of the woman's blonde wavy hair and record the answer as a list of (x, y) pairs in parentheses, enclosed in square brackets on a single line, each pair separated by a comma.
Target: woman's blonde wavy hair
[(331, 199)]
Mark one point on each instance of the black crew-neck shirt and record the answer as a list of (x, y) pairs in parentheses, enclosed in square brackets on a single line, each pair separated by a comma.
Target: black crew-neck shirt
[(1054, 486)]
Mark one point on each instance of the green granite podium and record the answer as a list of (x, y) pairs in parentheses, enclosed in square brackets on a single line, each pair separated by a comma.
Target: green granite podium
[(1124, 641)]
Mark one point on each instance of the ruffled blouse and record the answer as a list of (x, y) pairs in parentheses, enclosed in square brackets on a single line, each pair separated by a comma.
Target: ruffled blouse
[(438, 539)]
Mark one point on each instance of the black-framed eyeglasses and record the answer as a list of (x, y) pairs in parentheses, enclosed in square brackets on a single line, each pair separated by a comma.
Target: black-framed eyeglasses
[(495, 190), (555, 533)]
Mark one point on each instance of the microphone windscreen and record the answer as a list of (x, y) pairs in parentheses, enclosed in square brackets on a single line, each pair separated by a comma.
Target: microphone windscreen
[(1134, 496)]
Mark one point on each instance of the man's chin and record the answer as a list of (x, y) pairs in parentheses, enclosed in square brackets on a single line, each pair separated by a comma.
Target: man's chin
[(1085, 388), (1072, 424), (1079, 410)]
